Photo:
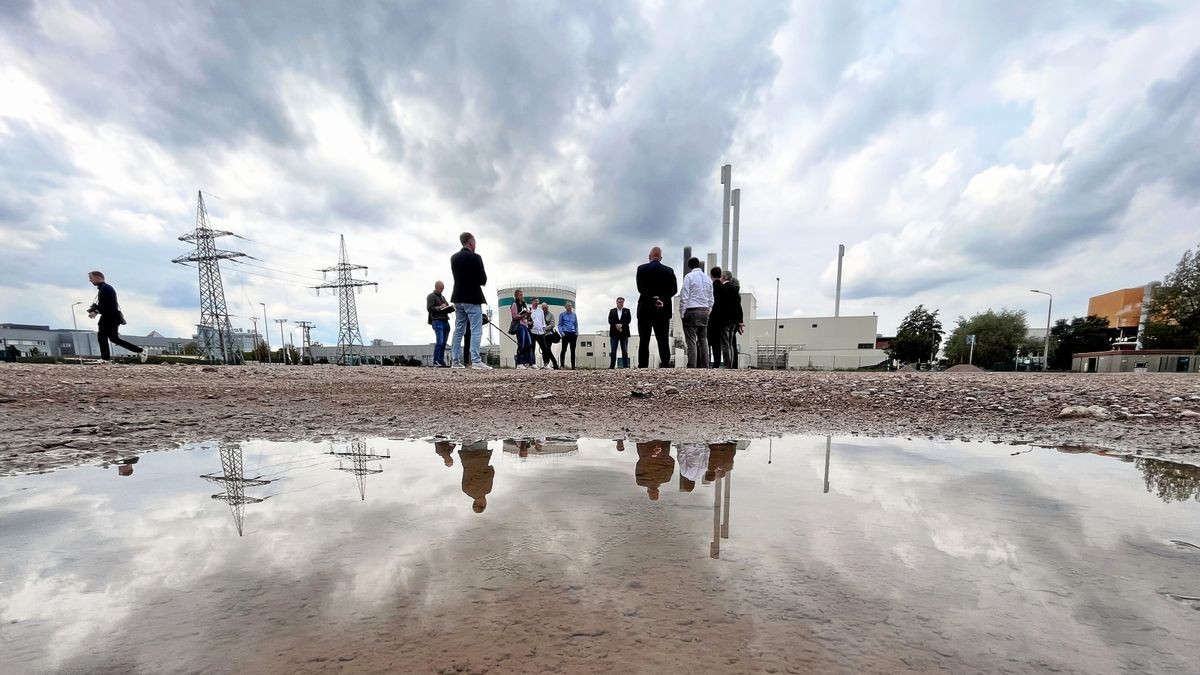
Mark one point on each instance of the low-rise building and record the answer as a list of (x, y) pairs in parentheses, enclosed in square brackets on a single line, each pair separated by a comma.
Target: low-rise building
[(1143, 360)]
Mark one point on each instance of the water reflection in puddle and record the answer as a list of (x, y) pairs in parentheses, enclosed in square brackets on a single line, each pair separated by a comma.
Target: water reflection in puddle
[(523, 555)]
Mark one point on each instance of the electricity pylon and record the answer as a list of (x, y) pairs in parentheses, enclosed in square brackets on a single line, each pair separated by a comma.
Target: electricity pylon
[(214, 333), (234, 479), (350, 341), (306, 341), (357, 454)]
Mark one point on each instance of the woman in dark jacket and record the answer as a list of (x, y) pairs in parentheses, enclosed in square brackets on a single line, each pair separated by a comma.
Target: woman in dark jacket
[(520, 328)]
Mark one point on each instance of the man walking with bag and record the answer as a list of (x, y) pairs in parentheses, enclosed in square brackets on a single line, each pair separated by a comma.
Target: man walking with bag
[(111, 319)]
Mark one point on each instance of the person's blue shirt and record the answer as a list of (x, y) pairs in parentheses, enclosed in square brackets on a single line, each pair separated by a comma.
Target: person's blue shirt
[(567, 323)]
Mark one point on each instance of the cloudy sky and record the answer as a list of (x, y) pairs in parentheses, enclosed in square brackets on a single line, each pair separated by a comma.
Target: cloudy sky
[(964, 152)]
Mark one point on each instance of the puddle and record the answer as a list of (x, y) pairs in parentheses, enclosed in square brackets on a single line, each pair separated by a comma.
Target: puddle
[(786, 555)]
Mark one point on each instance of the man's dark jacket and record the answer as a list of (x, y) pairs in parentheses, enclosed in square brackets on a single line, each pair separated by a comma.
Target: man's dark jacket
[(727, 305), (624, 320), (469, 277), (655, 279), (106, 305)]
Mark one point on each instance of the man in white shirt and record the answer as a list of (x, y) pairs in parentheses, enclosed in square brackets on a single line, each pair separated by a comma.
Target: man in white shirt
[(695, 302)]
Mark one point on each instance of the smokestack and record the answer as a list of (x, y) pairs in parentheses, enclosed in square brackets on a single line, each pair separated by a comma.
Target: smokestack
[(687, 255), (726, 179), (837, 296), (712, 260), (1144, 318), (736, 200)]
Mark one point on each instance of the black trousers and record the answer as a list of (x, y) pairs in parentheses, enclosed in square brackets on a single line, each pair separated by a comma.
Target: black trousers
[(108, 333), (714, 342), (660, 322), (547, 349), (568, 340)]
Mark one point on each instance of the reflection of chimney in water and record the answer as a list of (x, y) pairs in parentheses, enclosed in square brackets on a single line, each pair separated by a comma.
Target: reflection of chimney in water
[(725, 515), (827, 443), (714, 548)]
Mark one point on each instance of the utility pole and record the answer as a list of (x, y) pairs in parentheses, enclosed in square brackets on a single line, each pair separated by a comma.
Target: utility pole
[(266, 332), (216, 337), (306, 341), (775, 343), (1046, 346), (286, 358), (350, 341), (254, 320)]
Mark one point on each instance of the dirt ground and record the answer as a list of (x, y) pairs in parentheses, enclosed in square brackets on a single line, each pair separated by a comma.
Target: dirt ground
[(61, 415)]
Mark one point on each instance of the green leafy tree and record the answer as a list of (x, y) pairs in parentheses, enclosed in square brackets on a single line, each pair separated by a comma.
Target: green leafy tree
[(191, 349), (1170, 481), (34, 351), (1175, 307), (918, 337), (1081, 334), (997, 337)]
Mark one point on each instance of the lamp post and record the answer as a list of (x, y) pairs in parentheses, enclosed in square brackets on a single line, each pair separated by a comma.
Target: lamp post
[(775, 342), (75, 338), (1046, 346), (266, 332)]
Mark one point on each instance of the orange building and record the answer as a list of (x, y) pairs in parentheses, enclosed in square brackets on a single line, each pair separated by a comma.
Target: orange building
[(1122, 308)]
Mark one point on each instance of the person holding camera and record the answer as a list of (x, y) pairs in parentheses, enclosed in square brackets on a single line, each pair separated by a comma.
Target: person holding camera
[(520, 328), (111, 319)]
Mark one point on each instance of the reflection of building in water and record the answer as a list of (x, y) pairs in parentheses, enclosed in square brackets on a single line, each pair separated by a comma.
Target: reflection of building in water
[(357, 455), (235, 482), (540, 447), (720, 467)]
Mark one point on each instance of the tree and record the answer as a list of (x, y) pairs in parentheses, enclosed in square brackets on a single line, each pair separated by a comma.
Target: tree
[(997, 337), (918, 337), (1175, 307), (191, 348), (1170, 481), (1081, 334)]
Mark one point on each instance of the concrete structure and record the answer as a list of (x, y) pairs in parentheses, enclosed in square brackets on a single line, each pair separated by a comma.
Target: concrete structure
[(67, 343), (1122, 308), (1145, 360), (820, 343), (375, 353), (556, 295)]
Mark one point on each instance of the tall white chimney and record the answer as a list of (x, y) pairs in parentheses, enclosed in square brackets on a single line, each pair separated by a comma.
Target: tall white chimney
[(837, 297), (712, 260), (726, 179), (736, 199)]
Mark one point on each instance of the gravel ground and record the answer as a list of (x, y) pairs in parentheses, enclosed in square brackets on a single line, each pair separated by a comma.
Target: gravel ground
[(61, 415)]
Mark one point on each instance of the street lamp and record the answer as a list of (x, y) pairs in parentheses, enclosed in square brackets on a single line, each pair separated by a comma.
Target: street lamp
[(1046, 346), (266, 332), (74, 337), (775, 342)]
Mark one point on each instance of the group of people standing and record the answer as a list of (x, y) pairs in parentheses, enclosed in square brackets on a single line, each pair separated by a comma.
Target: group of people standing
[(710, 309)]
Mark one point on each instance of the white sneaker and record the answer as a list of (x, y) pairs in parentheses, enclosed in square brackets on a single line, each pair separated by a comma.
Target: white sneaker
[(142, 356), (457, 364), (535, 367), (480, 366), (522, 367)]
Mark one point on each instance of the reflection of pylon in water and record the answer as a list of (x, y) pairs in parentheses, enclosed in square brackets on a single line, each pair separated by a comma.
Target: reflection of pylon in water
[(357, 454), (233, 478)]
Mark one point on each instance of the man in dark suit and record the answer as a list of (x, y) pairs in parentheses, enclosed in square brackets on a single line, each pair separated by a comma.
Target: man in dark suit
[(468, 300), (618, 333), (656, 286), (111, 318)]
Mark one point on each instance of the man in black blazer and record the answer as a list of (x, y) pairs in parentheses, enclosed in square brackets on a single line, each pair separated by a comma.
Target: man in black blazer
[(468, 300), (656, 286), (618, 333)]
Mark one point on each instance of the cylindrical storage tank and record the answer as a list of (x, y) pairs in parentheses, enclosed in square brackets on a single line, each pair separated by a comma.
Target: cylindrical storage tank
[(557, 295)]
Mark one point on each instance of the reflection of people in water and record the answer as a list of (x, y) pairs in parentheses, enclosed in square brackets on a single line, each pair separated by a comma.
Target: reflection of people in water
[(477, 473), (720, 460), (620, 446), (446, 450), (693, 461), (125, 466), (654, 466)]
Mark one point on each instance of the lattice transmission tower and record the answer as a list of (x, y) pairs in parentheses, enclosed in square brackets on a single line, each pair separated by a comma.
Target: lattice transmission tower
[(306, 341), (233, 478), (357, 454), (350, 342), (214, 333)]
